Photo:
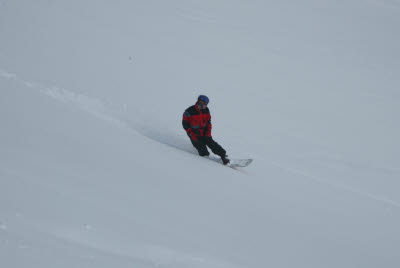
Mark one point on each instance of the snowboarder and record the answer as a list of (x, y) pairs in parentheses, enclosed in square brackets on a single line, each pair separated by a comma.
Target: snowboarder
[(197, 124)]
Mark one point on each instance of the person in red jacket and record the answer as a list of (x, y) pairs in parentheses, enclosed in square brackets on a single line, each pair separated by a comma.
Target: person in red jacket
[(197, 124)]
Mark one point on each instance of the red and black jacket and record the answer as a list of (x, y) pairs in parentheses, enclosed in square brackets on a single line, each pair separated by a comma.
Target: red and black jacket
[(197, 122)]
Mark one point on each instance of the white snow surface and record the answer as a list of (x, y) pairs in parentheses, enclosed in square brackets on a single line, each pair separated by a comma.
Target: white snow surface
[(96, 170)]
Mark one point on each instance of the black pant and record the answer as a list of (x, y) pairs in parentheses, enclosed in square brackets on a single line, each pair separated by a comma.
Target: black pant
[(202, 143)]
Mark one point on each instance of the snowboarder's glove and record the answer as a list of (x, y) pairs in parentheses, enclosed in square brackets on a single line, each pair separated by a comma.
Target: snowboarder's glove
[(193, 137)]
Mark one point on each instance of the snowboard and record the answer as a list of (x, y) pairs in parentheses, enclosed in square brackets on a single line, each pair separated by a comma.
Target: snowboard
[(239, 162), (233, 162)]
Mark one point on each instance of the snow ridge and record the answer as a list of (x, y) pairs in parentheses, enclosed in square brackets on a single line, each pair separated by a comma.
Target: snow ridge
[(104, 110)]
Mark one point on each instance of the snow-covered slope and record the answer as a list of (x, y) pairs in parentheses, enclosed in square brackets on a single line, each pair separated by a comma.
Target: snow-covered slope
[(96, 171)]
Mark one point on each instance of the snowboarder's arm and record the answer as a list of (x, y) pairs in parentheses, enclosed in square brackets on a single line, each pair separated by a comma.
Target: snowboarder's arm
[(209, 127), (186, 126)]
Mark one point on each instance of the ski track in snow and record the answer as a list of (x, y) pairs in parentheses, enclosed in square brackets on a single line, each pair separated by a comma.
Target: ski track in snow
[(196, 15), (203, 17), (150, 255), (117, 115), (336, 185)]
